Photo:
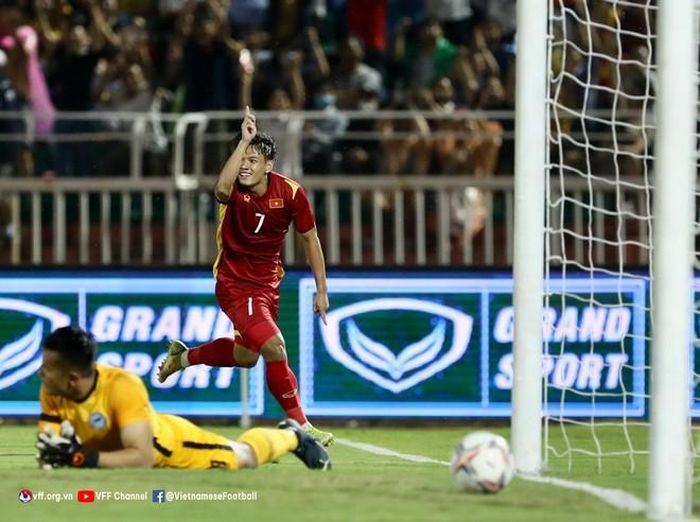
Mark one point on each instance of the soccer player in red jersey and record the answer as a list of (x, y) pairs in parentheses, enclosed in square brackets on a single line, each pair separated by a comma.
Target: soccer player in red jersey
[(257, 205)]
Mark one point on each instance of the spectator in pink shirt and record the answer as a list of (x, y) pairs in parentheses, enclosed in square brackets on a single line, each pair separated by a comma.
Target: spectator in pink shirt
[(38, 94)]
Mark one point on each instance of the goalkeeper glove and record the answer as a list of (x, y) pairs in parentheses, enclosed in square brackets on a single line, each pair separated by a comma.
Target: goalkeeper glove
[(64, 449)]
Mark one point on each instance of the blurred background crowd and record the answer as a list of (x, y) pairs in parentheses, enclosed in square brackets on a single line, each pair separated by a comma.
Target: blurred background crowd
[(352, 87), (274, 55), (443, 57)]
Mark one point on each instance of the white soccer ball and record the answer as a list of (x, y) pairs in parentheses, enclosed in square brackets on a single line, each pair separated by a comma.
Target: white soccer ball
[(482, 462)]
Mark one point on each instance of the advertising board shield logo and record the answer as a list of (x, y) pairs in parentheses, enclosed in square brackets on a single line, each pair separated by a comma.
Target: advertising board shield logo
[(20, 356), (416, 362)]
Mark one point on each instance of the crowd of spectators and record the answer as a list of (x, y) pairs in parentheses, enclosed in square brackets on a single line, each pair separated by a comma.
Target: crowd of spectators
[(438, 61), (276, 55), (330, 56)]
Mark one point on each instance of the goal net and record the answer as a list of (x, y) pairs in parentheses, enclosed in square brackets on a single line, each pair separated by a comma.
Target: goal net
[(599, 229)]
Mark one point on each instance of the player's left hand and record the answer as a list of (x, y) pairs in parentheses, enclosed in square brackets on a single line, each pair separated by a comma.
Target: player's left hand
[(321, 305), (63, 449)]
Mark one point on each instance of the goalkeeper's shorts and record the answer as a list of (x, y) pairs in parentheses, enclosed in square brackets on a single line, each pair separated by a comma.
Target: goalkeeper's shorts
[(180, 444)]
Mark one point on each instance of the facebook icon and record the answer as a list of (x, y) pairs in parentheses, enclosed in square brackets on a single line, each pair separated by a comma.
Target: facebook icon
[(158, 496)]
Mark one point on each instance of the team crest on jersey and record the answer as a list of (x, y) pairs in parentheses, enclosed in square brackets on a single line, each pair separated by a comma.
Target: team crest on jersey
[(246, 198), (97, 421), (276, 203)]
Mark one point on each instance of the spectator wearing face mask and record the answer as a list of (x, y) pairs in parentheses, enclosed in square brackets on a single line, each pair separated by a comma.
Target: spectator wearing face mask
[(321, 133)]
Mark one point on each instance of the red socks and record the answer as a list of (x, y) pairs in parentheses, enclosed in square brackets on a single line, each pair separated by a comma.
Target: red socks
[(280, 377), (283, 385), (218, 352)]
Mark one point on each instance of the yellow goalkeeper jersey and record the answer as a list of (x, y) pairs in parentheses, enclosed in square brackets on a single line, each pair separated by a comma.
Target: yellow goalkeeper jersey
[(119, 398)]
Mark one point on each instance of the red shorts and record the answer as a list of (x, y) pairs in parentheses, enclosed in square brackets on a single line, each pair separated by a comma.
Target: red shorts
[(253, 313)]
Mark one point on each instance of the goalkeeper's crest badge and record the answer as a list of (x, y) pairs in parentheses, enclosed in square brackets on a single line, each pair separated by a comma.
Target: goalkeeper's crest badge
[(20, 348), (97, 421), (443, 345)]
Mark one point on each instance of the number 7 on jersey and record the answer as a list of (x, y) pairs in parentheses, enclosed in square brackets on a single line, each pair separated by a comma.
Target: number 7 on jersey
[(261, 218)]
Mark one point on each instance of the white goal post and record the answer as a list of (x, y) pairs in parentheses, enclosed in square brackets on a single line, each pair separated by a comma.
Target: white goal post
[(664, 240), (673, 254), (528, 237)]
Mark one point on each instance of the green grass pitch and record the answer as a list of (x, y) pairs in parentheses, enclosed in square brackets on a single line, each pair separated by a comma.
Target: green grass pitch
[(363, 486)]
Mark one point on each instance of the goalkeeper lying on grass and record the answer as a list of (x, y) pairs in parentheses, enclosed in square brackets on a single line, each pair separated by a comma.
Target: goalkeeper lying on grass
[(96, 416)]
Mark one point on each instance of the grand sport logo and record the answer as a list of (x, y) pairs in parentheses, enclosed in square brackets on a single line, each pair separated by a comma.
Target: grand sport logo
[(20, 352), (417, 362)]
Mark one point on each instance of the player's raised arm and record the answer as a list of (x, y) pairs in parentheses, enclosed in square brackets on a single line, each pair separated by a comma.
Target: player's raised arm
[(229, 172), (314, 255)]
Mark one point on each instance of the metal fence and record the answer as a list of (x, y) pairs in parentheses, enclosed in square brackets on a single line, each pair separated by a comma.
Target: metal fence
[(367, 220), (162, 144)]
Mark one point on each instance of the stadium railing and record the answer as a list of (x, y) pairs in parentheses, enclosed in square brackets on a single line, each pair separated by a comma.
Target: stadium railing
[(140, 219), (363, 220)]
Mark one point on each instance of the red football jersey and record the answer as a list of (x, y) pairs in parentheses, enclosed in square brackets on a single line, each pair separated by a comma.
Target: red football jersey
[(252, 229)]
